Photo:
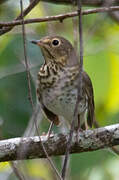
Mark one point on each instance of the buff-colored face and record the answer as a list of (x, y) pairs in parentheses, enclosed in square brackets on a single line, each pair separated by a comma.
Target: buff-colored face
[(55, 48)]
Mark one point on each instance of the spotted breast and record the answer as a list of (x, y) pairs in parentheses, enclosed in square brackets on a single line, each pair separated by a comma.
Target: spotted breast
[(58, 82)]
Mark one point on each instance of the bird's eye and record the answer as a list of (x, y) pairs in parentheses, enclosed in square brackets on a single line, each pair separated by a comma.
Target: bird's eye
[(55, 42)]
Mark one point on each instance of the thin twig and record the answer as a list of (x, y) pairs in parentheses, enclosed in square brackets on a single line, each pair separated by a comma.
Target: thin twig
[(14, 166), (59, 17), (45, 151), (79, 95), (46, 154), (25, 56), (16, 171), (4, 30), (30, 94), (35, 119), (86, 2), (50, 161)]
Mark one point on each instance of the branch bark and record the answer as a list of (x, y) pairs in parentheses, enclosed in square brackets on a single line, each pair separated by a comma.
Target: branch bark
[(30, 147), (4, 30), (8, 26), (60, 17), (86, 2)]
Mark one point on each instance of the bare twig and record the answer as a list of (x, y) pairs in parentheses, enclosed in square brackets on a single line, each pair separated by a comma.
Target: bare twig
[(25, 56), (4, 30), (29, 90), (36, 118), (49, 159), (86, 2), (79, 95), (17, 172), (89, 140), (59, 17), (30, 93)]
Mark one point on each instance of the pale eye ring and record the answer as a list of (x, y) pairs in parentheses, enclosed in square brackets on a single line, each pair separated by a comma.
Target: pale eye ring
[(55, 42)]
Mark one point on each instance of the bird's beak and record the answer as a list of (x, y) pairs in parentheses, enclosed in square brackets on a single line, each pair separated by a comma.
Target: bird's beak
[(37, 42)]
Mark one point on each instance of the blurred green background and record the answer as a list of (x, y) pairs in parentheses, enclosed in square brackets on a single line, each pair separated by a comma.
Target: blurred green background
[(101, 61)]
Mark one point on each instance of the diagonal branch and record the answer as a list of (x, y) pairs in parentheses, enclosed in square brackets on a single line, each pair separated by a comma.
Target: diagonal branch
[(4, 30), (59, 17), (86, 2), (31, 148)]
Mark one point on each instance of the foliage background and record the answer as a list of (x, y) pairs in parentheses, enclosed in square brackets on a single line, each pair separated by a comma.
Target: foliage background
[(101, 61)]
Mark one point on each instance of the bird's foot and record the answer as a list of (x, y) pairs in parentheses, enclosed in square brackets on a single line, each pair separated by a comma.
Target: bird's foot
[(48, 134)]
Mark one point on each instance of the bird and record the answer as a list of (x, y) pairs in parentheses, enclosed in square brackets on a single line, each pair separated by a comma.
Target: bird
[(57, 87)]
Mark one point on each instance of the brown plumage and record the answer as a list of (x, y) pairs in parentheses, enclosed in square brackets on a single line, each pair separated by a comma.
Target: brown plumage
[(58, 82)]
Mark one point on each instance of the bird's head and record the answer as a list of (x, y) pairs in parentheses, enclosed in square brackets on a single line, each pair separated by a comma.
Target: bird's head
[(58, 49)]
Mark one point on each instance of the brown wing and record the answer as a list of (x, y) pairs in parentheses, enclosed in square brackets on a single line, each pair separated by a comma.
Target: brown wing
[(88, 89), (50, 115)]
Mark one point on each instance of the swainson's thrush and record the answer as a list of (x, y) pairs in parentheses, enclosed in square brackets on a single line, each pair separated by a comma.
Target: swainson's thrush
[(58, 83)]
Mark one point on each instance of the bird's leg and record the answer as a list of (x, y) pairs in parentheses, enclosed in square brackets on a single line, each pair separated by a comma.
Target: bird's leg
[(78, 128), (49, 130)]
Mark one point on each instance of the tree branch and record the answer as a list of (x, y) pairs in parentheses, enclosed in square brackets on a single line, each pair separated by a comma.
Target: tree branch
[(60, 17), (4, 30), (30, 147), (86, 2)]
